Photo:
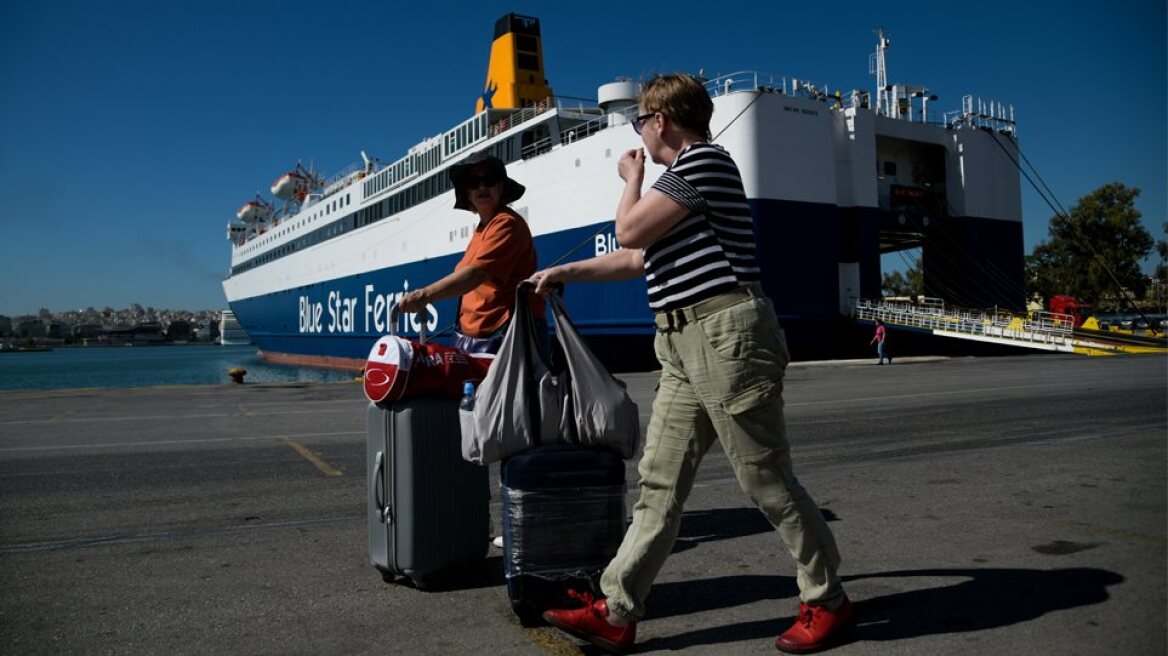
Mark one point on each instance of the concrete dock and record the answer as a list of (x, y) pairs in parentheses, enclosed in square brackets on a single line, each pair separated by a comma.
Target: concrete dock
[(982, 505)]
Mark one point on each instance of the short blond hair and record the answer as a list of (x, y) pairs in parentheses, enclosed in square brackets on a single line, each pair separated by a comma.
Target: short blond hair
[(682, 98)]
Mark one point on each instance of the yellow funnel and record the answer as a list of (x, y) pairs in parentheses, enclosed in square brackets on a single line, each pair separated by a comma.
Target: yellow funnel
[(515, 76)]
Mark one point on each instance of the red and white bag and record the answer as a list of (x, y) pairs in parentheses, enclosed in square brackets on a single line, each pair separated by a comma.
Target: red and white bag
[(399, 368)]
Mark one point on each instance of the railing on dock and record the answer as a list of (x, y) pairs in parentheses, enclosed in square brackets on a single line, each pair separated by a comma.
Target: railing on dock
[(1039, 329)]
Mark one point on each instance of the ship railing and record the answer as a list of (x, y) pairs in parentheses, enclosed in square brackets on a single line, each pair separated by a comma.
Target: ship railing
[(502, 120), (1039, 327), (979, 113), (341, 179), (572, 105), (538, 148), (975, 112), (455, 142), (755, 81), (581, 130)]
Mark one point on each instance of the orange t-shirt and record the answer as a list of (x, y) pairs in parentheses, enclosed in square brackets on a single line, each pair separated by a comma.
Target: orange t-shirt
[(503, 248)]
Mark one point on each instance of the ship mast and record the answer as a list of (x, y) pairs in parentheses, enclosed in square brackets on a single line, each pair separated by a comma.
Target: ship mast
[(878, 66)]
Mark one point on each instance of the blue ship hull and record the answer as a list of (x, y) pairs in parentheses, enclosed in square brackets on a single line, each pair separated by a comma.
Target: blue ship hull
[(321, 325), (800, 246)]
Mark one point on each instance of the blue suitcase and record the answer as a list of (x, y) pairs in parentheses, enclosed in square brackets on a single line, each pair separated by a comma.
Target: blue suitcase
[(563, 521)]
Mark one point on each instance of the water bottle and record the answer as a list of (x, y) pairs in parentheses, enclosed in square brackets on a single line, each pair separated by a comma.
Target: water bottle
[(467, 402)]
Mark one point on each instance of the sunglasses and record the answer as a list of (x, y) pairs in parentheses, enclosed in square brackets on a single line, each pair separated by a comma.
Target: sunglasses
[(639, 122), (487, 180)]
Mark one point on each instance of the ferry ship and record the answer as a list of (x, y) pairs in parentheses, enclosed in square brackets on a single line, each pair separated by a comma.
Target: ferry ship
[(834, 180)]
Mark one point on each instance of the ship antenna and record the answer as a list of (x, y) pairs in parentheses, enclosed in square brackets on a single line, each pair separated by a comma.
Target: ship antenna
[(877, 65)]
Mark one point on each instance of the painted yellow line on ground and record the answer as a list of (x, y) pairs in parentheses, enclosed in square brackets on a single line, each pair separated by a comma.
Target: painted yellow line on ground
[(323, 466), (1116, 532), (551, 641), (208, 440), (55, 420)]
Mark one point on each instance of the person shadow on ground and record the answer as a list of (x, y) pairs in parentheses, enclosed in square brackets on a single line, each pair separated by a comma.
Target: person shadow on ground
[(699, 526), (974, 603)]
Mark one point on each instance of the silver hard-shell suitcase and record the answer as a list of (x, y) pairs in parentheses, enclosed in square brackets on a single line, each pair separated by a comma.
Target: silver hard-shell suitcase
[(428, 508)]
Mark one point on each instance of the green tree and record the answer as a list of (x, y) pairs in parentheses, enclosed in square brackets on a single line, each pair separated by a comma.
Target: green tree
[(1045, 275), (1159, 287), (1101, 237), (909, 283), (1161, 272)]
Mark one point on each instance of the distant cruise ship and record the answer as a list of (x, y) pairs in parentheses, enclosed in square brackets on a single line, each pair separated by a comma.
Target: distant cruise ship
[(833, 180), (231, 333)]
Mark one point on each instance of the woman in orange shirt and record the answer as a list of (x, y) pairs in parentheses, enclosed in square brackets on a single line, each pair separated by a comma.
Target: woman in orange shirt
[(500, 255)]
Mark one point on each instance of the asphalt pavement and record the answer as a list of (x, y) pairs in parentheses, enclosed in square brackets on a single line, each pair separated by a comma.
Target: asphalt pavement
[(982, 505)]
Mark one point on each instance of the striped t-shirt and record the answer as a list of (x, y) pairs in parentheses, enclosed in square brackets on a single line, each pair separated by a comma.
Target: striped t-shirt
[(711, 251)]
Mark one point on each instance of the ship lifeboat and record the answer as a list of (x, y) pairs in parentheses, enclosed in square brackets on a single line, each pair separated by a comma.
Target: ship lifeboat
[(254, 211), (295, 184), (290, 185)]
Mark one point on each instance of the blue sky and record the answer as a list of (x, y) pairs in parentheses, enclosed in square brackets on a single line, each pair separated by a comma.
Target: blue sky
[(131, 131)]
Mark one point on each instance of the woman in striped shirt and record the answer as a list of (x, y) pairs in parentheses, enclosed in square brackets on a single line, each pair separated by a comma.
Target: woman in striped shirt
[(722, 357)]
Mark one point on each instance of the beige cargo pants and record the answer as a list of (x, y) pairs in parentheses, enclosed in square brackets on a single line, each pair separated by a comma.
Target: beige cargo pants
[(722, 363)]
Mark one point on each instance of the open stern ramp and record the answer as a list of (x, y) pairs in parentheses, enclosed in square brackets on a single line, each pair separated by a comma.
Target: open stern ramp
[(1045, 331)]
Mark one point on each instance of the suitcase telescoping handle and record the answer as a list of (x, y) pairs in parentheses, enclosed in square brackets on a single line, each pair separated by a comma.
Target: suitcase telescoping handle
[(423, 331), (384, 510)]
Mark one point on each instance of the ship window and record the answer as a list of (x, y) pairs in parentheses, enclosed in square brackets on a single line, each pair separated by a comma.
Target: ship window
[(526, 43)]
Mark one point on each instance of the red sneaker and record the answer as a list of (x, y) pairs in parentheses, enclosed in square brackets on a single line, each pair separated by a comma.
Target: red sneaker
[(590, 624), (815, 628)]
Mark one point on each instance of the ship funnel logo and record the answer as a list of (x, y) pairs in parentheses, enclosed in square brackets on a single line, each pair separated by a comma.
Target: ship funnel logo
[(488, 94)]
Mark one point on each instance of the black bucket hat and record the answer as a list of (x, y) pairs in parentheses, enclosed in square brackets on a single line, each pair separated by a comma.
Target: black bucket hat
[(512, 190)]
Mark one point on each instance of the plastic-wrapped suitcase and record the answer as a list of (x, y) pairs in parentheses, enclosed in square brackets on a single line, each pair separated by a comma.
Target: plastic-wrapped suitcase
[(428, 508), (563, 521)]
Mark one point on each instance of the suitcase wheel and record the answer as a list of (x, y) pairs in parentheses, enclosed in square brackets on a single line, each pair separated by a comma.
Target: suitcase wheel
[(528, 614)]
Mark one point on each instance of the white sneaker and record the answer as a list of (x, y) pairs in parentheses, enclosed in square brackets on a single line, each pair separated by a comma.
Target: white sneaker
[(498, 542)]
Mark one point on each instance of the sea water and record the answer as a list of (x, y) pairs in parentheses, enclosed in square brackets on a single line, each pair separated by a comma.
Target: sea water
[(143, 366)]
